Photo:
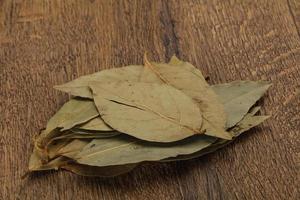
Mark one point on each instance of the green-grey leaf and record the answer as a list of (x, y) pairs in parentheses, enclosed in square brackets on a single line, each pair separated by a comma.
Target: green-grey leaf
[(185, 77), (152, 112), (73, 112), (247, 123), (124, 149), (239, 96), (79, 87)]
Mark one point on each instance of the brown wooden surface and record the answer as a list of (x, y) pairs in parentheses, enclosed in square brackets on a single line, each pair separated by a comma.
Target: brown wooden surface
[(43, 43)]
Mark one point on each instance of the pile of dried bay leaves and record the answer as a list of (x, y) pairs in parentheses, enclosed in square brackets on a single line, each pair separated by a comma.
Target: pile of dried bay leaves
[(122, 117)]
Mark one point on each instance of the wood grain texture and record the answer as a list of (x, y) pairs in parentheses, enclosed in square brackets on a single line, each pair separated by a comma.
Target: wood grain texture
[(44, 43), (294, 7)]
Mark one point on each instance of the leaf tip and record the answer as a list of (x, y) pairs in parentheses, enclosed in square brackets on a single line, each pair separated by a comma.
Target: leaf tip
[(59, 87), (174, 60)]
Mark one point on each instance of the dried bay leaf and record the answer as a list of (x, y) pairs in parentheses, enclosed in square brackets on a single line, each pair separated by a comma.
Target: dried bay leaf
[(79, 86), (124, 149), (239, 96), (185, 77), (58, 144), (71, 149), (73, 112), (234, 92), (248, 122), (83, 170), (152, 112)]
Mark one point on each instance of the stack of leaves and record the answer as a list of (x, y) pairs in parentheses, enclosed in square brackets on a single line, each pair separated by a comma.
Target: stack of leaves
[(159, 112)]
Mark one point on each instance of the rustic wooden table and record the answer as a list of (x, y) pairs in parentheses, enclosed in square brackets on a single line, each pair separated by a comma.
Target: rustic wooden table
[(43, 43)]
